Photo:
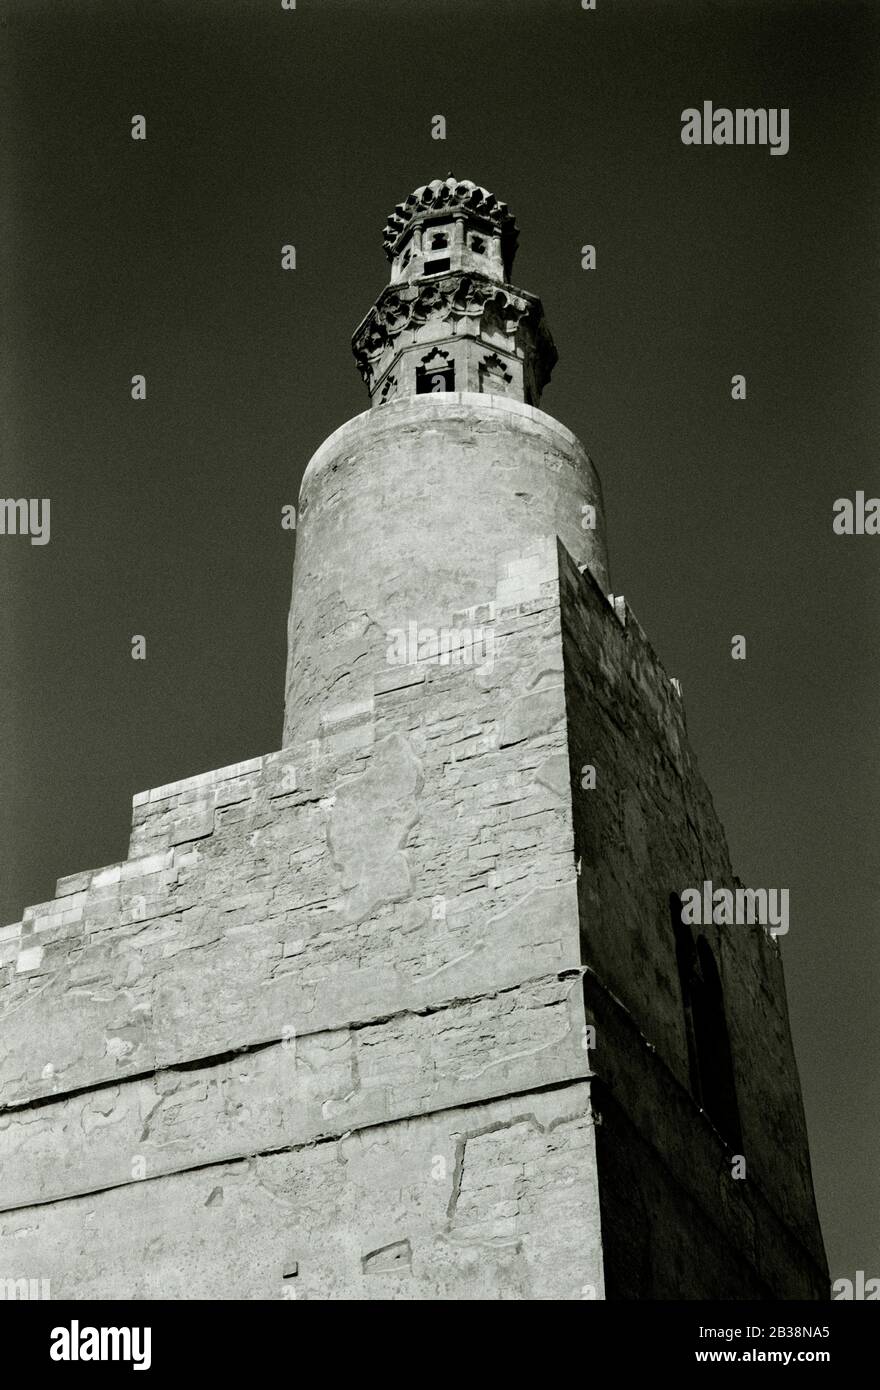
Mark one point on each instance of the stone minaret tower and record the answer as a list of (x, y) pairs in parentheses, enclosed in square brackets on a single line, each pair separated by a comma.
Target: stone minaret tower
[(406, 509), (408, 1009)]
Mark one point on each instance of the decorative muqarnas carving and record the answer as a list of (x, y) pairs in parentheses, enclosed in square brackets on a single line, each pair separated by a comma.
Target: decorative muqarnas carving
[(496, 311), (452, 196)]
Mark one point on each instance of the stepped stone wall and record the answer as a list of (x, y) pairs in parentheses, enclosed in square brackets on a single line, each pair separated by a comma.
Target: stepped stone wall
[(326, 1018), (322, 1035)]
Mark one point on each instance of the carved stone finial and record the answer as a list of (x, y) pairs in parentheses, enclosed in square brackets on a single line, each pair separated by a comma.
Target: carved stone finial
[(451, 197)]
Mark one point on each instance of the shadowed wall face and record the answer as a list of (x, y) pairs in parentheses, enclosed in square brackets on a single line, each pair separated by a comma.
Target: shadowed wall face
[(704, 1168)]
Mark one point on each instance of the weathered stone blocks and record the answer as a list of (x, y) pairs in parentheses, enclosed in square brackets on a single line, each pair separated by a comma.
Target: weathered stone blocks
[(325, 1032), (415, 511)]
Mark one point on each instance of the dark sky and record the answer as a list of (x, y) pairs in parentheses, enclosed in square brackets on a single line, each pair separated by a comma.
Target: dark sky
[(267, 126)]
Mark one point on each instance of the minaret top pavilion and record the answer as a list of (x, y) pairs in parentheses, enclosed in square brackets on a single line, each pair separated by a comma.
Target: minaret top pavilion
[(450, 319)]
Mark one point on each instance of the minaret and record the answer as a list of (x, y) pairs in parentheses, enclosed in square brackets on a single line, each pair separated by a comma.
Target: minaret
[(405, 509), (409, 1008), (455, 499)]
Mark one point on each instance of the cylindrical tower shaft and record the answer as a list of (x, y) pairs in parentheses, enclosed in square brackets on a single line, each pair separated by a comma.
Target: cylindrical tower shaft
[(409, 513)]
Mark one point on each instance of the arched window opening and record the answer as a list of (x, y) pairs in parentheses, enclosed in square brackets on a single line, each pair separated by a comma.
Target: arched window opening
[(710, 1061), (717, 1083), (436, 373)]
